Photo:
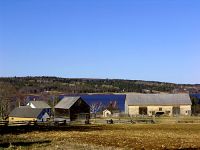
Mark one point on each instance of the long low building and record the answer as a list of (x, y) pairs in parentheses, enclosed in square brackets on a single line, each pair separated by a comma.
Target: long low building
[(28, 114), (152, 104)]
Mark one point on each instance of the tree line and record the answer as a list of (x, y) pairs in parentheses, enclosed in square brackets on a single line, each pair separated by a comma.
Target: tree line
[(72, 85)]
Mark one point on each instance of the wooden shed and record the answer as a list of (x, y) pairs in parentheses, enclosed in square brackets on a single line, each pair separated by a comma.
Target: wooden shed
[(72, 108)]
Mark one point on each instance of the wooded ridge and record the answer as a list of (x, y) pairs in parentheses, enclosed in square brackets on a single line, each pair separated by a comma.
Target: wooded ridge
[(91, 85)]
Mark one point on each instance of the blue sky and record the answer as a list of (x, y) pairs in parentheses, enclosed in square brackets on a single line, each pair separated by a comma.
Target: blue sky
[(136, 39)]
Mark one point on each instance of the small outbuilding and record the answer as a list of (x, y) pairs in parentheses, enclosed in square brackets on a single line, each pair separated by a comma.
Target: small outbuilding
[(28, 114), (106, 113), (72, 108)]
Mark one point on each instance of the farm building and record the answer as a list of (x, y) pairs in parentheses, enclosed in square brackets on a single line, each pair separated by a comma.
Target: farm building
[(26, 113), (100, 102), (72, 108), (106, 113), (152, 104), (40, 104)]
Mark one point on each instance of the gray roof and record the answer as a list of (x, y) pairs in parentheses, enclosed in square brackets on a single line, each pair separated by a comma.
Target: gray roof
[(40, 104), (25, 112), (67, 102), (25, 106), (158, 99)]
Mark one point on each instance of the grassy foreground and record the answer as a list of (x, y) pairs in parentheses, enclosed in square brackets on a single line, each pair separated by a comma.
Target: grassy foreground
[(116, 136)]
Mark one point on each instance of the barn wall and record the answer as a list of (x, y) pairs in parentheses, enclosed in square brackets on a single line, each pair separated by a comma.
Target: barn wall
[(80, 109), (21, 119), (185, 109), (62, 113), (151, 109), (133, 110)]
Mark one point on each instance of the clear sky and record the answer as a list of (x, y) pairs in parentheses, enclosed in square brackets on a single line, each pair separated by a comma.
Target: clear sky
[(155, 40)]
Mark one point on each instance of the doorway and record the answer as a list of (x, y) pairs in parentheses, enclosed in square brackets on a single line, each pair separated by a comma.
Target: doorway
[(176, 110), (143, 110)]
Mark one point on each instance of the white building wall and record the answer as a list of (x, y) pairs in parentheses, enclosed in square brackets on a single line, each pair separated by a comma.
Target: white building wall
[(106, 113), (133, 110), (44, 118), (32, 106), (185, 110), (126, 108), (165, 109)]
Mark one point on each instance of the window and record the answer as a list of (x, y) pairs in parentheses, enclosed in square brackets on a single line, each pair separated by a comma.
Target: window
[(186, 112), (160, 108)]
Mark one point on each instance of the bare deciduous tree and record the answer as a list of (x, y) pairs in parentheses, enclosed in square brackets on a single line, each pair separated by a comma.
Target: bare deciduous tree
[(95, 107), (7, 93)]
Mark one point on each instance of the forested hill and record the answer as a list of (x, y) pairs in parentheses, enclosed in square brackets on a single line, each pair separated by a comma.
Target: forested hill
[(86, 85)]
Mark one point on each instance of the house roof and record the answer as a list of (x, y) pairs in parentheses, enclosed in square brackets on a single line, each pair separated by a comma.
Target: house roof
[(26, 112), (67, 102), (106, 110), (40, 104), (27, 106), (157, 99)]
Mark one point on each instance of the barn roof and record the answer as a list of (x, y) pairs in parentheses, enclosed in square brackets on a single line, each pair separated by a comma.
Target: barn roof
[(25, 112), (40, 104), (67, 102), (158, 99)]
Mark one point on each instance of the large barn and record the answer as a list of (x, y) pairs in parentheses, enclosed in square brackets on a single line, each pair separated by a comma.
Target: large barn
[(152, 104), (72, 108)]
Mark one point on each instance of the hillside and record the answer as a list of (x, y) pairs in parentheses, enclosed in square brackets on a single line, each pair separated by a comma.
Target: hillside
[(36, 85)]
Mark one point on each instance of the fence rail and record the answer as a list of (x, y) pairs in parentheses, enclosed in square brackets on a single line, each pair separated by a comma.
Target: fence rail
[(33, 123), (133, 120), (4, 123), (148, 120)]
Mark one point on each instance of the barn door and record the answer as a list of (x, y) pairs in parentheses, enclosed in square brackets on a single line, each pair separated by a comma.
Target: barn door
[(176, 110), (143, 110)]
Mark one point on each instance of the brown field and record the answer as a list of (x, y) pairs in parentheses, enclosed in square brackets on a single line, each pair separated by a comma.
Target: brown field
[(116, 136)]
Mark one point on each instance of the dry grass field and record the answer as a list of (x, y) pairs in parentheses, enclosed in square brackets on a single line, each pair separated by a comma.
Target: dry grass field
[(116, 136)]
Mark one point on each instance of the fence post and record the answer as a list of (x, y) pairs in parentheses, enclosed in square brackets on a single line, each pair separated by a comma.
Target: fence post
[(153, 118)]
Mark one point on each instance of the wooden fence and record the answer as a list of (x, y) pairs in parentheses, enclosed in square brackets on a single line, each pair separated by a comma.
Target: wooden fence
[(133, 120), (147, 120), (33, 123)]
